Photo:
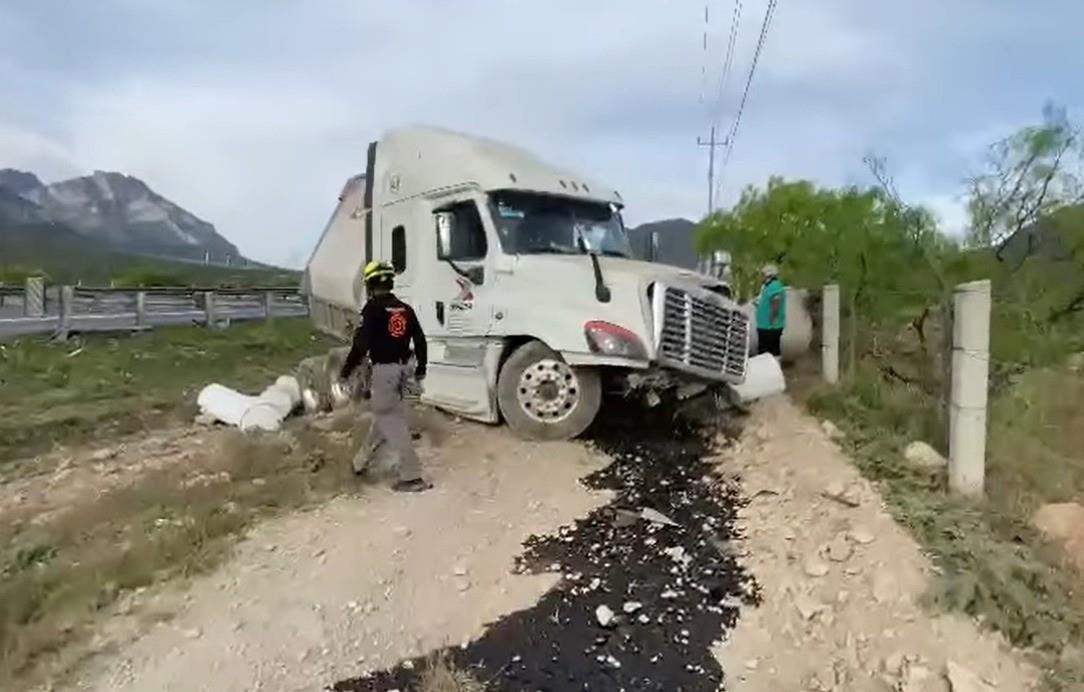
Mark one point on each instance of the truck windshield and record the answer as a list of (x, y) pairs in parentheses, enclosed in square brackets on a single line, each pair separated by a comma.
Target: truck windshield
[(535, 224)]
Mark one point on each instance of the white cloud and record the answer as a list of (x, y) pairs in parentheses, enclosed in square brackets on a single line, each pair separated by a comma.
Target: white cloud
[(252, 114), (31, 151)]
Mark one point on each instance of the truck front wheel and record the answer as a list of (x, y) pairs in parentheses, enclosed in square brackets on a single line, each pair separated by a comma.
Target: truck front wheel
[(544, 398)]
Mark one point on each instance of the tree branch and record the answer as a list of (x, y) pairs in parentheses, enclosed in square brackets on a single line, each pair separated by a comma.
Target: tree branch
[(1074, 305)]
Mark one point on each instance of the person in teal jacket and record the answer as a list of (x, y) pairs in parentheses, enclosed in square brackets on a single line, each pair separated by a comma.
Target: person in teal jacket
[(771, 312)]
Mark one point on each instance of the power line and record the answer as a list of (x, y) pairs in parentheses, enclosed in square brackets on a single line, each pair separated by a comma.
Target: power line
[(704, 57), (716, 117), (728, 61), (711, 143), (764, 27)]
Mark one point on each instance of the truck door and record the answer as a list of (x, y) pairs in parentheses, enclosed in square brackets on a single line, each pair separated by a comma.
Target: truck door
[(458, 307)]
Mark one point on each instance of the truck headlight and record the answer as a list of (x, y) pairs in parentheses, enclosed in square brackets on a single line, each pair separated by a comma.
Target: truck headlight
[(609, 339)]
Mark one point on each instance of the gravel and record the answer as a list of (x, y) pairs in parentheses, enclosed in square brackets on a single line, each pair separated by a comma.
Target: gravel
[(686, 586)]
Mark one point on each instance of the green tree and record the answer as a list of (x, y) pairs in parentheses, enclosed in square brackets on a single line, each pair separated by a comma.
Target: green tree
[(17, 274), (1027, 177), (876, 248)]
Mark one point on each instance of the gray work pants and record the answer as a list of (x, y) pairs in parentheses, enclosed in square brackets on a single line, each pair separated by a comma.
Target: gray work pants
[(390, 425)]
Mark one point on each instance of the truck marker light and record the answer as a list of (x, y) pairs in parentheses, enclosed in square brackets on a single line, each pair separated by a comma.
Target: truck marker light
[(610, 339)]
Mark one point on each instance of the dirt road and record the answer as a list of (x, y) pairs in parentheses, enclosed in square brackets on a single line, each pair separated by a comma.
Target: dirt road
[(344, 594), (365, 581), (841, 581)]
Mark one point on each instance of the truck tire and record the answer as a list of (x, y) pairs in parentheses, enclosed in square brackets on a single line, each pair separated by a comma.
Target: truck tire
[(543, 398)]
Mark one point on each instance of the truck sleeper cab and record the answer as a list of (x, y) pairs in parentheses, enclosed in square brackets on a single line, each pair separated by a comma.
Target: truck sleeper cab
[(524, 282)]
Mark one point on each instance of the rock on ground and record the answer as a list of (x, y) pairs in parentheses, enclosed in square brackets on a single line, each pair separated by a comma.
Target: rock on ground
[(840, 581), (924, 456), (1063, 524), (831, 430)]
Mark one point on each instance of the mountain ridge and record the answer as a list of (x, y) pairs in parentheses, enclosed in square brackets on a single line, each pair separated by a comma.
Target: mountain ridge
[(122, 212), (673, 242)]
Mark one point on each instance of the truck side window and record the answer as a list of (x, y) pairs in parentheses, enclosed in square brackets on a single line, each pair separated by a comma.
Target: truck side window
[(398, 249), (468, 233)]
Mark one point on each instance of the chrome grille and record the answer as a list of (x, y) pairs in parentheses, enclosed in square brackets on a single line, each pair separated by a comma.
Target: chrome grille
[(701, 334)]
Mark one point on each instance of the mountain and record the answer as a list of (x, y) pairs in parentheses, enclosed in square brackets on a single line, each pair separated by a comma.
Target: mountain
[(18, 182), (17, 210), (673, 242), (67, 257), (1052, 238), (123, 214)]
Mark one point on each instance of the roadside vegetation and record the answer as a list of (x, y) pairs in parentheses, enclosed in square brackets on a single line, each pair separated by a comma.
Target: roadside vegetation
[(896, 270), (98, 387), (442, 675), (60, 570), (61, 565), (64, 257)]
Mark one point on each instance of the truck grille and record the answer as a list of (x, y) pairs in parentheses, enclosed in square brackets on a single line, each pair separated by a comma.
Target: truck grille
[(701, 334)]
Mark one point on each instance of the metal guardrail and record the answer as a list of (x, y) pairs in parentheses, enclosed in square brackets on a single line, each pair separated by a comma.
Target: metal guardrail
[(83, 309)]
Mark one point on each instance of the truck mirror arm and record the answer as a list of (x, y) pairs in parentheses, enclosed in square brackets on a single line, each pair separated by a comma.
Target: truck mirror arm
[(475, 275), (602, 291)]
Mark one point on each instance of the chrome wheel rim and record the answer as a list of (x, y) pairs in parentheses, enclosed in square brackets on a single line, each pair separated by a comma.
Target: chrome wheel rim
[(548, 391)]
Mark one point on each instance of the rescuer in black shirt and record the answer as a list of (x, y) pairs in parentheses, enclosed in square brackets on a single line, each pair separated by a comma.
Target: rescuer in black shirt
[(388, 329)]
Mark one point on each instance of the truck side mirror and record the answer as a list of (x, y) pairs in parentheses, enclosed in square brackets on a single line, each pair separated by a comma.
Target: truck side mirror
[(445, 222)]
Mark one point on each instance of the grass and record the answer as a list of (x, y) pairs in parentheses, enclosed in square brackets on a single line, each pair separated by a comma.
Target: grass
[(59, 569), (102, 387), (57, 574), (992, 564), (441, 675)]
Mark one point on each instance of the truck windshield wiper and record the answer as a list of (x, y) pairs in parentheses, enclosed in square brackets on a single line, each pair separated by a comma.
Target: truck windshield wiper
[(549, 250)]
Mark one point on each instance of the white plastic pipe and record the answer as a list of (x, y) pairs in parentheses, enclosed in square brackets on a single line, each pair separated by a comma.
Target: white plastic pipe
[(224, 404), (763, 377), (970, 374), (263, 412)]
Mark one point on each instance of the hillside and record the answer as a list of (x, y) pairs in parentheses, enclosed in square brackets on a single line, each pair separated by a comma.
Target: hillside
[(674, 242), (121, 213), (69, 257)]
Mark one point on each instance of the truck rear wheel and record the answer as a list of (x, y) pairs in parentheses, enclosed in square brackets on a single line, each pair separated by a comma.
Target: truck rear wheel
[(543, 398)]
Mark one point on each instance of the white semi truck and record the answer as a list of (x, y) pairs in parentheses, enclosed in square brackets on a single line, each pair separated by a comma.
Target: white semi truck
[(522, 276)]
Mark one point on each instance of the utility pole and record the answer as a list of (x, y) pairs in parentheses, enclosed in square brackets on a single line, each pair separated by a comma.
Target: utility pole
[(711, 144)]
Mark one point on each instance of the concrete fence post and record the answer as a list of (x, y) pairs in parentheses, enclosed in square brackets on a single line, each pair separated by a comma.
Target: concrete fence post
[(67, 298), (211, 317), (830, 333), (34, 297), (970, 374), (141, 309), (268, 304)]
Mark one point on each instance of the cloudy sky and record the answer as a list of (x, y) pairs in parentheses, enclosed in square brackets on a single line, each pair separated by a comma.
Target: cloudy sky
[(251, 113)]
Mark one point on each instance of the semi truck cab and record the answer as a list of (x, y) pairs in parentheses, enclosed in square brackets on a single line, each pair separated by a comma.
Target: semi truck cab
[(523, 279)]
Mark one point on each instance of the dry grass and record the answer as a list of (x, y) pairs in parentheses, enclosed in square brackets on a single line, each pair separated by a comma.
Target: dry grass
[(442, 675), (56, 574), (1036, 445), (107, 386), (992, 564)]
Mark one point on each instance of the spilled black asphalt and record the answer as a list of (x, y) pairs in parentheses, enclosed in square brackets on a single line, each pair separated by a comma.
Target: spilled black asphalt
[(673, 590)]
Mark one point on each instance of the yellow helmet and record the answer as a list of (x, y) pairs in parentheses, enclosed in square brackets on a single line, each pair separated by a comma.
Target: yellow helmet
[(377, 270)]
